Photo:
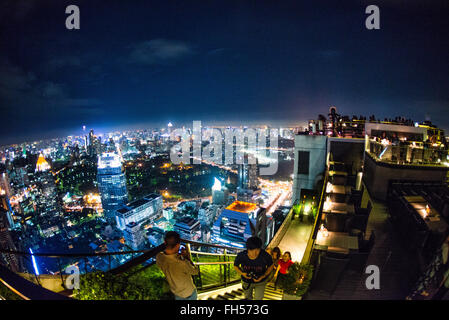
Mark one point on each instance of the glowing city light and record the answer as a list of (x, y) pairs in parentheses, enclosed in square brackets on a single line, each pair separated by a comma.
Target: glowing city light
[(42, 164), (217, 185), (36, 270)]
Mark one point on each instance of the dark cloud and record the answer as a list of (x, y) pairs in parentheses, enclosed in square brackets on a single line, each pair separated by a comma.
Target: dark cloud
[(330, 54), (159, 51), (29, 93), (16, 10), (63, 62)]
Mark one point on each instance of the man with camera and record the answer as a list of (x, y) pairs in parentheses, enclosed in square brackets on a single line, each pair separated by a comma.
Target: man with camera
[(175, 263), (254, 265)]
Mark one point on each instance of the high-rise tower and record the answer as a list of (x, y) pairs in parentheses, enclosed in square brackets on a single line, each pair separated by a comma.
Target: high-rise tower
[(111, 183)]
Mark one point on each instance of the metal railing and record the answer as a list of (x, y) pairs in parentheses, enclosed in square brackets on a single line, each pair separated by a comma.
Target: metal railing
[(282, 230), (215, 263), (310, 243)]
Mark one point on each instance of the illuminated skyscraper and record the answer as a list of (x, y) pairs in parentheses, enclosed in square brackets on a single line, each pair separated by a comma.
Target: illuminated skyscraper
[(111, 183)]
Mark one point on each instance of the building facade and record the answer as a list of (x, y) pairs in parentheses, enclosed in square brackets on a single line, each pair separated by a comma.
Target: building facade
[(111, 184), (141, 211), (134, 236)]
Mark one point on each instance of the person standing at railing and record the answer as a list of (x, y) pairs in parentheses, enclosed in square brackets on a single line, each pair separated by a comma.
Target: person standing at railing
[(255, 266), (177, 267)]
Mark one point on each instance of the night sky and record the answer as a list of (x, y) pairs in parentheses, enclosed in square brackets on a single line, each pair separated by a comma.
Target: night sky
[(141, 63)]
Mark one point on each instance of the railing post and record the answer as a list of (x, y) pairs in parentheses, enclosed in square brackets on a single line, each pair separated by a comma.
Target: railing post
[(35, 275), (225, 268), (60, 273), (200, 278), (85, 265), (188, 248)]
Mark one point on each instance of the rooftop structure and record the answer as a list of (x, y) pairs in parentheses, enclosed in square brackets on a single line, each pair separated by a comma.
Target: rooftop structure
[(238, 222), (244, 207)]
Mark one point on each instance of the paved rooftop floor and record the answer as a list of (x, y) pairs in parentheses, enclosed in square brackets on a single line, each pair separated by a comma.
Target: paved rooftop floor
[(295, 239), (397, 267)]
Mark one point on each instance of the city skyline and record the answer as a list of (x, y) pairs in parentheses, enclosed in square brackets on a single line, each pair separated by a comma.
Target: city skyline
[(239, 62)]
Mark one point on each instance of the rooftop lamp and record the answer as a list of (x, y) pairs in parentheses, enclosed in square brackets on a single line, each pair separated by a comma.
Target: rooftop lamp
[(324, 231), (327, 204)]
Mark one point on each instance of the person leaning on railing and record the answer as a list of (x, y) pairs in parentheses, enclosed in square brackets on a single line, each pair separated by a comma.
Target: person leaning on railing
[(177, 267), (255, 266)]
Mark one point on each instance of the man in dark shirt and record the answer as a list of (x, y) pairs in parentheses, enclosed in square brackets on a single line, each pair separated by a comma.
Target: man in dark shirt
[(254, 265)]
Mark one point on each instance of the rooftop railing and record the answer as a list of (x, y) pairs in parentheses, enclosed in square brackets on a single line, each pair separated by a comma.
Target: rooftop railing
[(215, 263), (408, 153), (311, 242)]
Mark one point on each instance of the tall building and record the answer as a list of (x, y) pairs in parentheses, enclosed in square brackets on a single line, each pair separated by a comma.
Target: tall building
[(219, 193), (141, 211), (247, 181), (248, 176), (94, 144), (134, 236), (111, 184)]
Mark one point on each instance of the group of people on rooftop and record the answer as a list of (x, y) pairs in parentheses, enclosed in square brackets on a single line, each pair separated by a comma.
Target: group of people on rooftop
[(256, 266)]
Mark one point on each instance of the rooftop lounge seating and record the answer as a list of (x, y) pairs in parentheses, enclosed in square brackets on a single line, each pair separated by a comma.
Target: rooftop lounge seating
[(365, 211), (336, 222), (356, 222)]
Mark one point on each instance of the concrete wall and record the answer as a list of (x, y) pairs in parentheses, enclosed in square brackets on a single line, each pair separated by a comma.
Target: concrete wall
[(317, 146), (281, 231), (377, 175), (48, 281)]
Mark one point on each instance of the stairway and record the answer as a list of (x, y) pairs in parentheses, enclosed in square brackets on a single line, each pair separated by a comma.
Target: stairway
[(237, 294)]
